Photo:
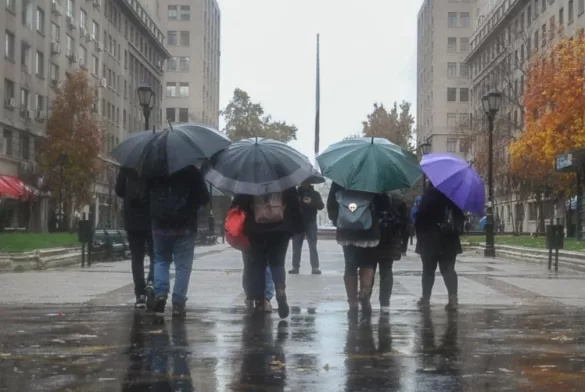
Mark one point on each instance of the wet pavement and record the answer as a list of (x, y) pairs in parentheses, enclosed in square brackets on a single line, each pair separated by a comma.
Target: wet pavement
[(519, 328)]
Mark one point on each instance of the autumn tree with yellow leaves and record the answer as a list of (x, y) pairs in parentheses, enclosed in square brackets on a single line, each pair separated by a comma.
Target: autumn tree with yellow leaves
[(72, 144)]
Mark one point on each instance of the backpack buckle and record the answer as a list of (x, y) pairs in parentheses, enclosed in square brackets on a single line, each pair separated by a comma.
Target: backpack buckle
[(352, 207)]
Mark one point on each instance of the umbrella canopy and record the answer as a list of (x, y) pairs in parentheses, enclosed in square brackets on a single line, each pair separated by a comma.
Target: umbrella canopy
[(456, 178), (258, 166), (370, 165), (167, 152)]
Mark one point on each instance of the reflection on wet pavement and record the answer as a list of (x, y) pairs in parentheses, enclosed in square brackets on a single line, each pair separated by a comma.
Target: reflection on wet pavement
[(114, 349)]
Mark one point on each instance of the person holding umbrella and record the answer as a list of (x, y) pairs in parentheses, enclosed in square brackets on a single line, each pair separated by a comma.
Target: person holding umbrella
[(266, 192), (363, 171), (454, 186)]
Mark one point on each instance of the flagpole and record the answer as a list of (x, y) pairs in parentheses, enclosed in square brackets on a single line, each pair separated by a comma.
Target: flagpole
[(318, 104)]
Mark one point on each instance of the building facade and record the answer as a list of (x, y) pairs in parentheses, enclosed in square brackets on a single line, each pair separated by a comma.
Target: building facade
[(191, 92), (116, 42), (444, 30), (507, 34)]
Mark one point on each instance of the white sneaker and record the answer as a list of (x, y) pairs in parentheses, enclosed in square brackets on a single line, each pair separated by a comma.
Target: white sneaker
[(385, 309)]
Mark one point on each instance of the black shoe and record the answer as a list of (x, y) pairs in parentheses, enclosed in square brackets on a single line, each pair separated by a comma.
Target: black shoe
[(294, 271), (316, 271), (159, 305), (179, 311), (140, 302), (150, 299), (283, 309)]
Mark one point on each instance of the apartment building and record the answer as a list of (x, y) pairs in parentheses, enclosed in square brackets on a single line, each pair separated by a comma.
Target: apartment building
[(115, 41), (444, 30), (507, 34), (191, 80)]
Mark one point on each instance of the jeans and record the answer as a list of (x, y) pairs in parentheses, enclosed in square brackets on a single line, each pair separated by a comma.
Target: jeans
[(269, 287), (311, 235), (181, 250), (139, 241), (264, 253), (447, 268)]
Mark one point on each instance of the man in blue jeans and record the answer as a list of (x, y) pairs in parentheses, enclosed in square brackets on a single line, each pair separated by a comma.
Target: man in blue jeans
[(174, 203)]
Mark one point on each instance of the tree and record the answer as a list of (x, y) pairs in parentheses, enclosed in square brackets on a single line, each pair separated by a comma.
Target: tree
[(394, 125), (246, 119), (72, 145)]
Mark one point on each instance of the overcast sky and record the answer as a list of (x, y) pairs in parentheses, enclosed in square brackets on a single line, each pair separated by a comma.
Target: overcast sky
[(368, 54)]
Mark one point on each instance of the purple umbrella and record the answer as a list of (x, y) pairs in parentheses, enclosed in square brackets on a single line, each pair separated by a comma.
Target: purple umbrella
[(457, 180)]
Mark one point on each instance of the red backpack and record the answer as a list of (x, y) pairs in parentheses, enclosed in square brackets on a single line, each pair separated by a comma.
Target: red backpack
[(234, 229)]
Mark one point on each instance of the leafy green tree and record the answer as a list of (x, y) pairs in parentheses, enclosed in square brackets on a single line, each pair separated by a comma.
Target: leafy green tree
[(396, 125), (246, 119)]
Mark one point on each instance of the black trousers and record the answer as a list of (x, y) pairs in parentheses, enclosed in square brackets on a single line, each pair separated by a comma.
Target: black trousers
[(311, 235), (139, 242), (386, 282), (447, 268), (405, 237)]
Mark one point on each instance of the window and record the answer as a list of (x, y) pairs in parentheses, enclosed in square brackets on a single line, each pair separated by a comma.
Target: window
[(452, 19), (9, 46), (23, 99), (464, 44), (172, 64), (463, 70), (27, 13), (171, 89), (536, 40), (95, 31), (39, 102), (25, 58), (581, 6), (40, 63), (171, 115), (464, 95), (7, 142), (10, 5), (452, 44), (185, 38), (8, 89), (463, 119), (522, 54), (69, 8), (83, 19), (25, 147), (561, 17), (451, 145), (53, 72), (544, 5), (184, 89), (535, 9), (183, 115), (69, 46), (464, 19), (40, 21), (184, 64), (451, 94), (543, 35), (552, 27), (529, 15), (55, 32), (463, 148), (451, 70), (451, 120), (185, 12), (570, 11), (528, 47), (172, 38), (82, 56), (172, 12)]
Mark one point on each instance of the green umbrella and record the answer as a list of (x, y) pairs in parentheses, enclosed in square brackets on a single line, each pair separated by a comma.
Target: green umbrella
[(370, 165)]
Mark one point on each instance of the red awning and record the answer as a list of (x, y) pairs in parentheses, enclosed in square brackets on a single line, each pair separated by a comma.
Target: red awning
[(14, 188)]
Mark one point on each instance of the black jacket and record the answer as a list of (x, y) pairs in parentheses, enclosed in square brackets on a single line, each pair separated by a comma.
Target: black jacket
[(293, 220), (309, 211), (430, 240), (192, 180), (136, 211)]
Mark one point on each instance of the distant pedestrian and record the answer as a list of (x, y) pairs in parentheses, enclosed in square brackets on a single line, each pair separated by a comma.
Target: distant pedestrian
[(138, 228), (174, 203), (439, 223), (413, 211), (310, 202)]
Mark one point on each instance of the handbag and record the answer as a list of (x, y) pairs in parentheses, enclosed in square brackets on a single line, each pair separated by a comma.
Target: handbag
[(234, 229)]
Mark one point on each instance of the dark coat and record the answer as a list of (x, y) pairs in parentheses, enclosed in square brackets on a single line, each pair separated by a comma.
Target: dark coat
[(292, 224), (431, 241), (309, 211), (136, 211), (382, 202)]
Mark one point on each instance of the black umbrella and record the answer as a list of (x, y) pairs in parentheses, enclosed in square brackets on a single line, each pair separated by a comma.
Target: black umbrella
[(167, 152), (258, 166)]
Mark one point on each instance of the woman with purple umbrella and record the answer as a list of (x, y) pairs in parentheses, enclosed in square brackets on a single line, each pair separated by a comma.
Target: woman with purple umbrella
[(455, 187)]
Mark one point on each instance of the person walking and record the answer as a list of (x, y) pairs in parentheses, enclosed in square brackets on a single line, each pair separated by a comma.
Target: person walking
[(310, 202), (392, 242), (413, 211), (138, 228), (439, 223), (174, 203), (271, 221)]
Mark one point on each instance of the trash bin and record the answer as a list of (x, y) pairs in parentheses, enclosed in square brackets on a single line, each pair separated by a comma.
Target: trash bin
[(555, 237)]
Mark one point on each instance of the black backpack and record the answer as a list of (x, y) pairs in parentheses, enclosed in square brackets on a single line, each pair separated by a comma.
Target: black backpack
[(389, 222), (168, 200)]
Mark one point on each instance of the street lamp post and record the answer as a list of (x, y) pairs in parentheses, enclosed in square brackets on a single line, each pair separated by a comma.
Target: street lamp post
[(425, 148), (146, 97), (491, 104)]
